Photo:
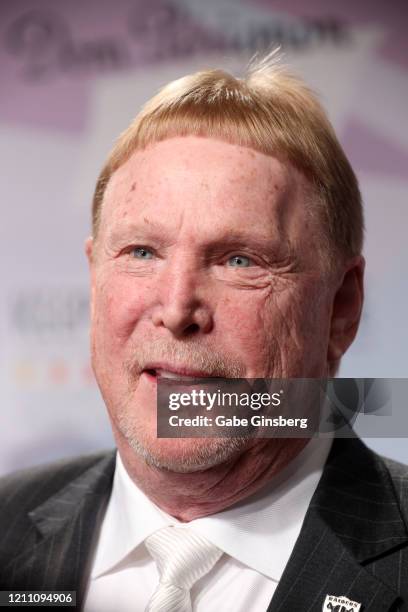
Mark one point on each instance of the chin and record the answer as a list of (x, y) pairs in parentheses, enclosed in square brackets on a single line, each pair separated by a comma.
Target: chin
[(187, 455)]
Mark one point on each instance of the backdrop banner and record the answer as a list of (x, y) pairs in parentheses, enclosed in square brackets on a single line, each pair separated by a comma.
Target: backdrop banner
[(73, 76)]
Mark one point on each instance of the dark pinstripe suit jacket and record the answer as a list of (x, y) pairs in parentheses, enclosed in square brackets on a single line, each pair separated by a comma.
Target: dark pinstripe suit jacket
[(354, 540)]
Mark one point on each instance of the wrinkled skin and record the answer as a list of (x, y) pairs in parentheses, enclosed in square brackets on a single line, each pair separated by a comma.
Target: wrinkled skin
[(183, 300)]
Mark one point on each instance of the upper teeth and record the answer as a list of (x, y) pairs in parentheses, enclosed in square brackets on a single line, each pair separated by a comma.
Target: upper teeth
[(167, 374)]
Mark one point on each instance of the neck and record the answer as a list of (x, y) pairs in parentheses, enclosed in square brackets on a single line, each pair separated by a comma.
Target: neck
[(188, 496)]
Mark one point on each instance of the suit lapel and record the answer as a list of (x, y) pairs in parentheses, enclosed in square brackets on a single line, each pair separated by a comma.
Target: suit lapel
[(321, 565), (353, 518), (67, 524)]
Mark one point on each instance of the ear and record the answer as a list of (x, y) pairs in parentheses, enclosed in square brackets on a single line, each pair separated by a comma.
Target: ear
[(89, 251), (346, 311)]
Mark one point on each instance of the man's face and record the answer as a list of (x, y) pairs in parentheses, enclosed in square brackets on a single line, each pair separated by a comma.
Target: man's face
[(206, 263)]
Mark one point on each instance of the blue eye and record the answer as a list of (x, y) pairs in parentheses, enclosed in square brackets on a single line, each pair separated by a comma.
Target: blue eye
[(142, 253), (239, 261)]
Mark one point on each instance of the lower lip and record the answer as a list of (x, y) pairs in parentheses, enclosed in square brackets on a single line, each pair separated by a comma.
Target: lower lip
[(152, 381)]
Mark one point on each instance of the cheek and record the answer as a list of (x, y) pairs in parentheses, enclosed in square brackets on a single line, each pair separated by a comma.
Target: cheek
[(119, 305), (275, 331), (247, 324), (303, 332)]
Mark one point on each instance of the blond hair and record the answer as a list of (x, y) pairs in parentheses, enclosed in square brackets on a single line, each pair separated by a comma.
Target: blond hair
[(269, 110)]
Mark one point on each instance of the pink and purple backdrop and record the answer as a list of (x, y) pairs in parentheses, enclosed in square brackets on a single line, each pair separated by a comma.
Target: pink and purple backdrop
[(72, 76)]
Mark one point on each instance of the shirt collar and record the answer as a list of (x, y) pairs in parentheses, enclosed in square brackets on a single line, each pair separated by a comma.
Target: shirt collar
[(129, 519), (260, 531)]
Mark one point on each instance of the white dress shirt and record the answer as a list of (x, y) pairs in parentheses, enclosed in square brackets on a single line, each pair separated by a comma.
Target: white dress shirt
[(257, 536)]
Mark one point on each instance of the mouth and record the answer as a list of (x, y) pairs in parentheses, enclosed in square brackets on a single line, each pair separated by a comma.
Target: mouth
[(174, 373)]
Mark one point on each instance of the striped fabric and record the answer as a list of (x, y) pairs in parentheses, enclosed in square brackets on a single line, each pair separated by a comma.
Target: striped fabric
[(49, 519), (182, 557), (353, 543)]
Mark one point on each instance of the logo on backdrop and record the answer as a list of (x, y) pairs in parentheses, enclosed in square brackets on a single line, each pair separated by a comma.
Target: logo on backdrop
[(49, 328), (48, 45)]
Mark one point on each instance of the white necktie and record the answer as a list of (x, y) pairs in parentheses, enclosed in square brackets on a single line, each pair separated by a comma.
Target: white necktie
[(182, 557)]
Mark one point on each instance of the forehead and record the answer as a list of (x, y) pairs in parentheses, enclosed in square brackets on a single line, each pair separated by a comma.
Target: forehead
[(206, 180)]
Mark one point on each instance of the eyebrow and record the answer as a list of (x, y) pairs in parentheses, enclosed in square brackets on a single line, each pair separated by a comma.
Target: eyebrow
[(123, 233), (242, 238)]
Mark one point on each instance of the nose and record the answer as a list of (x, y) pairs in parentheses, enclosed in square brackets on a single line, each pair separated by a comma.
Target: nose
[(181, 306)]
